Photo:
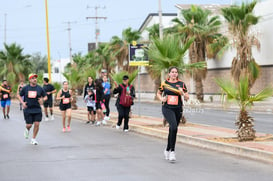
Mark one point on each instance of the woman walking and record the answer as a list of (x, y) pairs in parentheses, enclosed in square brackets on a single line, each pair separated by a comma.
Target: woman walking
[(65, 105), (170, 93)]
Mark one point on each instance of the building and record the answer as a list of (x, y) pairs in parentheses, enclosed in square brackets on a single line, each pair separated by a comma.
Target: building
[(57, 70)]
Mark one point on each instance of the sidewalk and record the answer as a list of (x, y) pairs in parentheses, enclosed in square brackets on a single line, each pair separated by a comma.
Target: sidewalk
[(204, 136)]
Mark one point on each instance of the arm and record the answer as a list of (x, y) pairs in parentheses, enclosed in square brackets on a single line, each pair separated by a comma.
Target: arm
[(132, 92), (160, 97), (59, 95), (71, 98)]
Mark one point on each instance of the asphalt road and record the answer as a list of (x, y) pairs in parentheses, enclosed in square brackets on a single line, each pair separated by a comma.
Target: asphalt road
[(209, 116), (104, 153)]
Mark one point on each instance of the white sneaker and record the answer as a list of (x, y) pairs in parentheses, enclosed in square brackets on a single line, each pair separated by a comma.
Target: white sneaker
[(34, 142), (126, 130), (98, 123), (104, 122), (26, 133), (52, 117), (117, 127), (46, 118), (166, 154), (172, 156), (106, 118)]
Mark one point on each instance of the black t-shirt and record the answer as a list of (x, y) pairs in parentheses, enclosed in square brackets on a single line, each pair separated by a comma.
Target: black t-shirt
[(170, 90), (49, 88), (31, 96), (5, 95), (87, 87)]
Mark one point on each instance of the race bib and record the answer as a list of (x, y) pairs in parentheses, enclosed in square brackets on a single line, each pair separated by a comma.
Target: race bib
[(32, 94), (172, 100), (5, 96), (65, 100)]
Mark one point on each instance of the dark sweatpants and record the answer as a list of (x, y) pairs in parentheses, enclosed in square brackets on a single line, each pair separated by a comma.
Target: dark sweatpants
[(123, 112), (173, 116), (106, 103)]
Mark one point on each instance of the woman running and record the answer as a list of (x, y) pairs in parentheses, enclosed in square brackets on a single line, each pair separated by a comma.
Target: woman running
[(65, 95), (170, 93)]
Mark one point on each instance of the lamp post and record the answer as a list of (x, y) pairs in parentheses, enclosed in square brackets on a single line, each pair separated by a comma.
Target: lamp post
[(48, 44), (161, 33)]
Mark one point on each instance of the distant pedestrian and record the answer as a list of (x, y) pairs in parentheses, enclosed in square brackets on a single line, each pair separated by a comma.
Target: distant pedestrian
[(19, 88), (107, 95), (172, 89), (99, 102), (91, 106), (88, 86), (33, 95), (126, 94), (65, 95), (5, 99), (49, 89)]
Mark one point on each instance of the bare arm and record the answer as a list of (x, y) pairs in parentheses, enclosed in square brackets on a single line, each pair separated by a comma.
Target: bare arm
[(160, 97)]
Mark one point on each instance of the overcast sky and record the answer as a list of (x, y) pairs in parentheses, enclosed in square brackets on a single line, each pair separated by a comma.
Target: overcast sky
[(25, 21)]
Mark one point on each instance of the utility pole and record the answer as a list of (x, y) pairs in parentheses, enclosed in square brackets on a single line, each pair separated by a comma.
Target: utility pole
[(96, 17), (69, 40), (5, 29), (161, 33)]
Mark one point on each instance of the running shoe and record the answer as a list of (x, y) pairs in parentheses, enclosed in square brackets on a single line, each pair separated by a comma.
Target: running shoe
[(4, 116), (68, 128), (126, 130), (98, 123), (46, 118), (7, 116), (63, 129), (34, 141), (87, 122), (26, 133), (117, 127), (104, 122), (52, 117), (93, 122), (166, 154), (172, 156)]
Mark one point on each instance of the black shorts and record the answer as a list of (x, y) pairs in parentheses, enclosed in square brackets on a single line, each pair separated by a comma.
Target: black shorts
[(30, 118), (64, 107), (98, 106), (48, 103), (91, 109)]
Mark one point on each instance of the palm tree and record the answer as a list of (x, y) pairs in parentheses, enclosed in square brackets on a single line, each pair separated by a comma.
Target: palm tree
[(117, 77), (170, 52), (39, 63), (240, 19), (104, 57), (120, 47), (16, 65), (240, 93), (199, 23)]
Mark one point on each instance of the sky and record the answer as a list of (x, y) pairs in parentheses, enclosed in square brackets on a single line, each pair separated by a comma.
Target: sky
[(26, 22)]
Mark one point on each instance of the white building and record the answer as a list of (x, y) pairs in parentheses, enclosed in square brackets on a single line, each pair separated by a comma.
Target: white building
[(57, 70)]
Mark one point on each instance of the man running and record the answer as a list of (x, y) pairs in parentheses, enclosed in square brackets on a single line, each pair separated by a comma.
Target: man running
[(34, 95), (5, 99), (49, 89)]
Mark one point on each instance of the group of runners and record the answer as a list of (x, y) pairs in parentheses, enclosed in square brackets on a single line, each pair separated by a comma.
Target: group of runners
[(172, 93)]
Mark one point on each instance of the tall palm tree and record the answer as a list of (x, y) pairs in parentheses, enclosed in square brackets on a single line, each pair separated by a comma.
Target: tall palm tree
[(240, 19), (16, 65), (170, 52), (39, 63), (240, 93), (120, 47), (198, 23), (104, 57)]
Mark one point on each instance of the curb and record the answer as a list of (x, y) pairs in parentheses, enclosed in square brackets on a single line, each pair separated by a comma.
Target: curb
[(199, 142)]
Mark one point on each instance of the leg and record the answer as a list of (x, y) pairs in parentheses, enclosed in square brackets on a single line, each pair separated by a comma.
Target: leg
[(68, 112), (35, 129), (120, 114), (8, 108), (107, 101), (126, 118), (170, 116), (46, 113), (63, 118)]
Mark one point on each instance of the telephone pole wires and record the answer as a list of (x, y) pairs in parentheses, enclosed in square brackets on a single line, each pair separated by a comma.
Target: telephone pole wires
[(96, 17)]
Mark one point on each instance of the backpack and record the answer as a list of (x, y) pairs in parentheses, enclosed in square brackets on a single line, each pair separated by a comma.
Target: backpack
[(124, 99)]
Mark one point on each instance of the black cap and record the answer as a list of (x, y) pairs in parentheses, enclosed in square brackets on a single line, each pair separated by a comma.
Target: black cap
[(125, 77)]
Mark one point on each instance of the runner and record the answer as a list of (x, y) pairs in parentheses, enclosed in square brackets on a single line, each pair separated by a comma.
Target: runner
[(128, 91), (20, 87), (91, 106), (34, 95), (107, 95), (99, 102), (5, 99), (65, 105), (49, 89), (172, 89)]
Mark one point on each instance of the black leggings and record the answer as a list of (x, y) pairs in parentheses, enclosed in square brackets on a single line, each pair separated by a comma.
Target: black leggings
[(107, 101), (123, 112), (173, 117)]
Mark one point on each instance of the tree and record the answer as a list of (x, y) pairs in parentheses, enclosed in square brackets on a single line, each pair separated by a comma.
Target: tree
[(39, 63), (120, 47), (16, 65), (199, 23), (104, 57), (170, 52), (240, 19), (240, 93), (117, 77)]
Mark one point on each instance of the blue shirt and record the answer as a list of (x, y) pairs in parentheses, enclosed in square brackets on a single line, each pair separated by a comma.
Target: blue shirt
[(106, 85)]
